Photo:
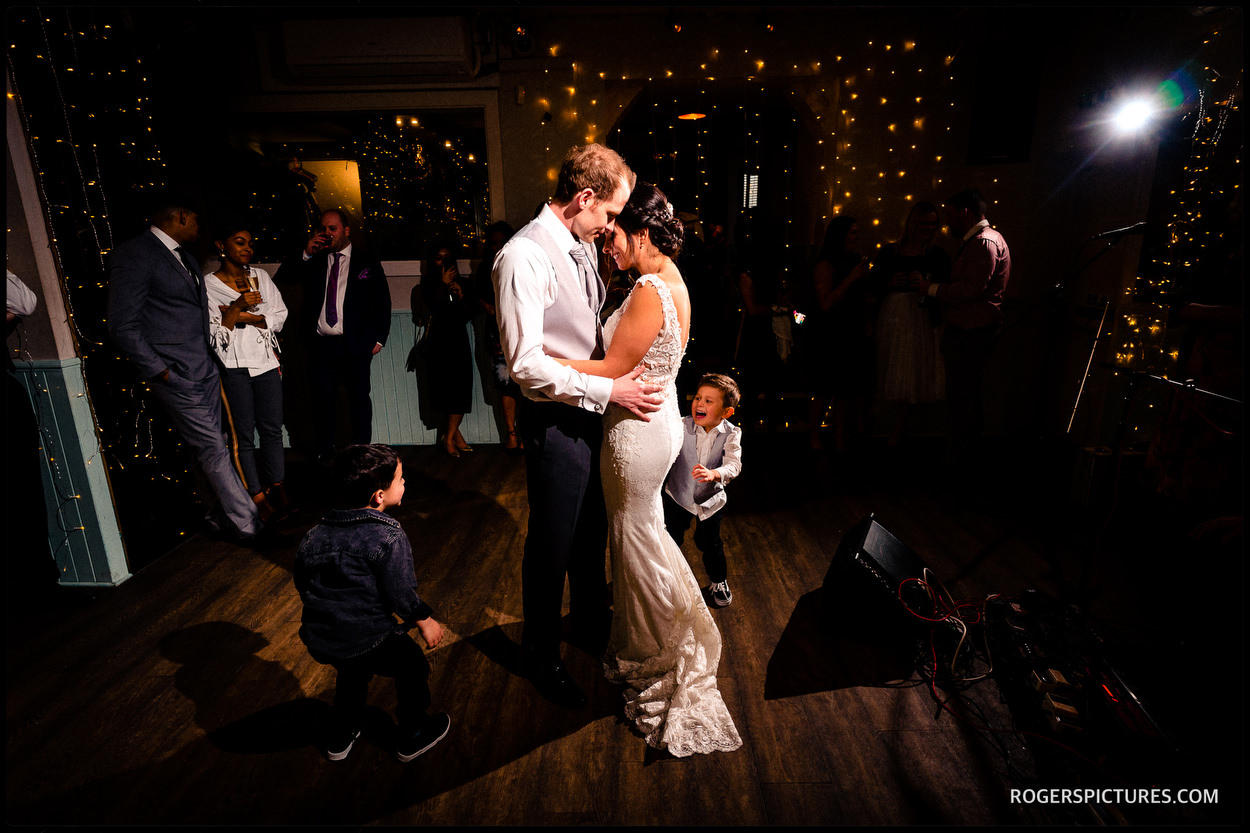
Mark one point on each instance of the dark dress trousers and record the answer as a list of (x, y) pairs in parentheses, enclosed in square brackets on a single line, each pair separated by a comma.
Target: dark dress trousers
[(345, 360)]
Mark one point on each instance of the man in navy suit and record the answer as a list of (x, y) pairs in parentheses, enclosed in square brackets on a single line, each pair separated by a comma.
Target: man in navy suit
[(345, 319), (158, 316)]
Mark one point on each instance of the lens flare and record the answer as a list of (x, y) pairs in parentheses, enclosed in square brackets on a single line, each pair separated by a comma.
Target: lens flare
[(1179, 90), (1171, 94), (1133, 116)]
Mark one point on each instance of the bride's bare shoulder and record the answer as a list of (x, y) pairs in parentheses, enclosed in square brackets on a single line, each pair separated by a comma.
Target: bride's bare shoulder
[(673, 280), (669, 278)]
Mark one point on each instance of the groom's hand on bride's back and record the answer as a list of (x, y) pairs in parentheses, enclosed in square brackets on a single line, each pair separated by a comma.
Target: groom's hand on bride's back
[(636, 396)]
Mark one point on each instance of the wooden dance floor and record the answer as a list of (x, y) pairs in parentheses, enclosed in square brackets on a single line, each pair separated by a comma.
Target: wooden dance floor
[(184, 696)]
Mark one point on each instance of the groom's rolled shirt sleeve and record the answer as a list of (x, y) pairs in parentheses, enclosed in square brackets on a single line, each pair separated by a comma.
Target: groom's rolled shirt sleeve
[(525, 286)]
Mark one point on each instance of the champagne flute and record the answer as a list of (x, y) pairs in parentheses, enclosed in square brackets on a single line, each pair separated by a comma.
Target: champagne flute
[(253, 282)]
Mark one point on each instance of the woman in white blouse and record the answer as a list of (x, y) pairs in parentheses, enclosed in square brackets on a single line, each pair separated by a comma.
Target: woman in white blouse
[(246, 312)]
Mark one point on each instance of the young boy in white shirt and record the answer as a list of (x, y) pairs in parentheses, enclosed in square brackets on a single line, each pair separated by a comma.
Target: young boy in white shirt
[(710, 458)]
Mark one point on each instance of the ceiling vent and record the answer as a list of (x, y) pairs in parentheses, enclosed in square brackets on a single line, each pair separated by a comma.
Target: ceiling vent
[(420, 49)]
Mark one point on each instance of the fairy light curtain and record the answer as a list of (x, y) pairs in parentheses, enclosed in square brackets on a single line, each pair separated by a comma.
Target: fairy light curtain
[(82, 89)]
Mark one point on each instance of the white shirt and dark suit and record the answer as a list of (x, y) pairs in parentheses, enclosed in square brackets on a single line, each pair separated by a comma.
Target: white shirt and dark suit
[(341, 330), (158, 316)]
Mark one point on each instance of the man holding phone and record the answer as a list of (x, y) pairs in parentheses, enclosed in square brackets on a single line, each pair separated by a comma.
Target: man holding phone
[(346, 318)]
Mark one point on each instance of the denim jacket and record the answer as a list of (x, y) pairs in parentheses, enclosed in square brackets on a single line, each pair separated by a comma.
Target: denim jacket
[(353, 571)]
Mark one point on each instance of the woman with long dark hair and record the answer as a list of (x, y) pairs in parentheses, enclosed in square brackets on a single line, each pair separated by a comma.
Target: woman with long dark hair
[(664, 646)]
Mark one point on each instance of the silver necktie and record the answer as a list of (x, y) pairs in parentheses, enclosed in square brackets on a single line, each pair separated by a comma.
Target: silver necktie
[(590, 278)]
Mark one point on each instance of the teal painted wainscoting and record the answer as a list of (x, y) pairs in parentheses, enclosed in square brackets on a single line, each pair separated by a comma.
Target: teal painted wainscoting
[(401, 415), (82, 526), (83, 533)]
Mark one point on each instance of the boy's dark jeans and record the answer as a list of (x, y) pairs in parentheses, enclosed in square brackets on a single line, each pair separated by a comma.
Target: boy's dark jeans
[(706, 537), (399, 657)]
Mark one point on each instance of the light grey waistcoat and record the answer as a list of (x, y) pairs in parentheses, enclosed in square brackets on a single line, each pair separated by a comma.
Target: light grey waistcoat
[(571, 326), (681, 487)]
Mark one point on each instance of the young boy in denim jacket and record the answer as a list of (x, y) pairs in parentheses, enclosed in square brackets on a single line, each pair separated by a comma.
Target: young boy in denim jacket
[(710, 457), (354, 574)]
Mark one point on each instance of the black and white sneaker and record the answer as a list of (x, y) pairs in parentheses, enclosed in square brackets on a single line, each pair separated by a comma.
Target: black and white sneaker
[(719, 594), (434, 730), (338, 750)]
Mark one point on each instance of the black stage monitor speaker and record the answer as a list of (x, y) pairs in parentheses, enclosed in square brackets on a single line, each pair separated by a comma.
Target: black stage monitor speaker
[(869, 554)]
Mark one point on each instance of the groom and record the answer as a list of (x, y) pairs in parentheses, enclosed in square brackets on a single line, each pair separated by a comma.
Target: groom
[(549, 294)]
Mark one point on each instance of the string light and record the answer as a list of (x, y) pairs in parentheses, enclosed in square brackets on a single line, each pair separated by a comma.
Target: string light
[(860, 106), (1143, 343), (70, 114)]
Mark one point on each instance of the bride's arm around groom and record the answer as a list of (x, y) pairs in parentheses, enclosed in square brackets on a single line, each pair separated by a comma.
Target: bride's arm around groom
[(530, 345), (639, 325)]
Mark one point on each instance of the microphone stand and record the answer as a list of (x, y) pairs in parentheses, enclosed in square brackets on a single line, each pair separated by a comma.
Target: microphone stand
[(1085, 377), (1057, 290), (1112, 241)]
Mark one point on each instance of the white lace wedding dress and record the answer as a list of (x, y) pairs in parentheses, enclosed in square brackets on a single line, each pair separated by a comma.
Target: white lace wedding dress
[(664, 646)]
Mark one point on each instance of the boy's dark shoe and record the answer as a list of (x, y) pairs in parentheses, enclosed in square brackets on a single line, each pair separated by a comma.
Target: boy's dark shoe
[(338, 748), (434, 729)]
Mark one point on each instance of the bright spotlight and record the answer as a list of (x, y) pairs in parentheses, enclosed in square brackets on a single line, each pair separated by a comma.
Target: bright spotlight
[(1133, 116)]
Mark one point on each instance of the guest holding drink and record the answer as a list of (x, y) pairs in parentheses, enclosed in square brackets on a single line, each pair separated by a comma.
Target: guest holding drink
[(246, 312)]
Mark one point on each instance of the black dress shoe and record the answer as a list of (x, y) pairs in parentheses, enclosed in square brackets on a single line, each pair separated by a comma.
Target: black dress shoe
[(552, 680)]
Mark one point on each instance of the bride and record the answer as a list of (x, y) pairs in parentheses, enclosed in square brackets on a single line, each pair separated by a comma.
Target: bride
[(664, 645)]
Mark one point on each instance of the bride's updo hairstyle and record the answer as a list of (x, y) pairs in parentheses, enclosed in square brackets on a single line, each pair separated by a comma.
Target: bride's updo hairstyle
[(649, 209)]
